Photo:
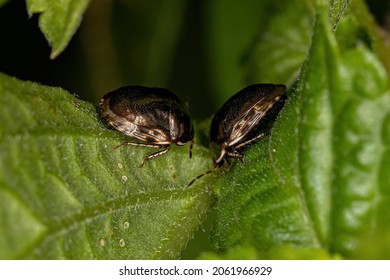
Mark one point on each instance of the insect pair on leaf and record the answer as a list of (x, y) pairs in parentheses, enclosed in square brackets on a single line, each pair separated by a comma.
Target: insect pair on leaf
[(158, 118)]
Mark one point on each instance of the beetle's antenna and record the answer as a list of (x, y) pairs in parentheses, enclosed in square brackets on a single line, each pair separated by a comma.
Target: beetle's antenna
[(200, 176)]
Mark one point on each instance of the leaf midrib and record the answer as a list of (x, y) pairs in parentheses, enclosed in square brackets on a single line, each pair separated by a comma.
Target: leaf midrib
[(91, 213)]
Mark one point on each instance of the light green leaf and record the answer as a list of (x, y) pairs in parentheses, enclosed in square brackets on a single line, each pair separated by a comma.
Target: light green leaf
[(360, 147), (66, 193), (58, 21), (337, 9)]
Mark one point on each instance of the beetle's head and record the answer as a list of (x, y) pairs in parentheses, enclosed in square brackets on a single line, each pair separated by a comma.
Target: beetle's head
[(186, 134)]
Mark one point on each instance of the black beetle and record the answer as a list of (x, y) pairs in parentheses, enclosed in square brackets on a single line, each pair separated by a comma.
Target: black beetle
[(155, 116), (246, 117)]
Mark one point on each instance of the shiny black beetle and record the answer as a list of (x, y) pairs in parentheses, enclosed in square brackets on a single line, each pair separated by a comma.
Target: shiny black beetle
[(155, 116), (246, 117)]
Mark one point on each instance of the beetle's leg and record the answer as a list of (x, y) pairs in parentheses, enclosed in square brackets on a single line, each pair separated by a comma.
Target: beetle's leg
[(261, 135), (226, 164), (198, 177), (235, 154), (192, 143), (139, 144), (150, 145), (159, 153)]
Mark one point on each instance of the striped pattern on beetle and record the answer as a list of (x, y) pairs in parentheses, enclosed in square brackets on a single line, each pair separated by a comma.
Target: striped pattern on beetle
[(246, 117)]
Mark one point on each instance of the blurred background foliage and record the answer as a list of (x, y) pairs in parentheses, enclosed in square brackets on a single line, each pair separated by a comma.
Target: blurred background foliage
[(204, 51)]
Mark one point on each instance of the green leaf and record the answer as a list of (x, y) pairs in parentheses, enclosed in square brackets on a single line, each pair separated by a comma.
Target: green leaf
[(255, 209), (359, 26), (237, 253), (58, 21), (320, 181), (66, 193), (281, 44), (358, 192), (337, 9), (277, 253)]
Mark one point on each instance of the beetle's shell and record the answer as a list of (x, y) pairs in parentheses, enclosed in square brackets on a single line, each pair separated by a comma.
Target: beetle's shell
[(152, 115), (244, 116)]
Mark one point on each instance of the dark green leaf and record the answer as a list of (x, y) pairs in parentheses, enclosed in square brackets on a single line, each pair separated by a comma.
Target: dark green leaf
[(230, 31), (281, 44), (145, 35), (256, 41), (58, 20), (66, 193), (277, 253)]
